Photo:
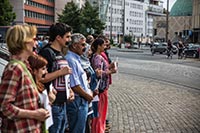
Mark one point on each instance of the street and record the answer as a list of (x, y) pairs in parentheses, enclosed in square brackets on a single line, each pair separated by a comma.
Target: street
[(154, 94)]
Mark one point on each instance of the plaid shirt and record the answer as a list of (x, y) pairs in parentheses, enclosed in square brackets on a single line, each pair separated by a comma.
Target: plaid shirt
[(17, 92)]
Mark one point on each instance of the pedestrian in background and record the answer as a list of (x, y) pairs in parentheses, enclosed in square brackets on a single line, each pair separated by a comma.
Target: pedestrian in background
[(19, 98), (77, 110), (180, 49), (89, 39), (169, 48), (59, 35)]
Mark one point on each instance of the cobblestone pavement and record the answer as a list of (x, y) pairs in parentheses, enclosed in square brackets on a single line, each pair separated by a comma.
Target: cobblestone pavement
[(139, 105)]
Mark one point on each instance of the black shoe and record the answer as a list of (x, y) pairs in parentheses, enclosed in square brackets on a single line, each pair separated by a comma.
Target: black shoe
[(107, 122)]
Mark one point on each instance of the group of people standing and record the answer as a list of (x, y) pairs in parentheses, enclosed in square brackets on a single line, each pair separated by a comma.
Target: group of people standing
[(72, 73)]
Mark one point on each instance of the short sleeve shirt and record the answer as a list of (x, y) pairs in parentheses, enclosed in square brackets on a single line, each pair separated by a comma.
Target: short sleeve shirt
[(78, 76), (56, 60)]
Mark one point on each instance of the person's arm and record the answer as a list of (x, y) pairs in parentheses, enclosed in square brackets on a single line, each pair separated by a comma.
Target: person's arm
[(48, 55), (97, 64), (11, 92), (75, 82), (53, 75), (78, 89), (38, 114)]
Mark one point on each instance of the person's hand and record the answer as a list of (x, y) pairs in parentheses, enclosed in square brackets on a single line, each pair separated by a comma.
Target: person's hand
[(95, 92), (41, 114), (98, 72), (89, 97), (52, 96), (71, 96), (113, 70), (112, 65), (66, 70)]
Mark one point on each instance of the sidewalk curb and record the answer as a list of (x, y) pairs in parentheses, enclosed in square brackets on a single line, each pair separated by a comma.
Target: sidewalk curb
[(129, 50)]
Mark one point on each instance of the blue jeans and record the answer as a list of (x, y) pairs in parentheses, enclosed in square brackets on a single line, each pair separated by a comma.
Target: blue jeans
[(77, 115), (59, 119)]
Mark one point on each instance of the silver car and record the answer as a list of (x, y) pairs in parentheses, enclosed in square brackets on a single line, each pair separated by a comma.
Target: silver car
[(162, 48)]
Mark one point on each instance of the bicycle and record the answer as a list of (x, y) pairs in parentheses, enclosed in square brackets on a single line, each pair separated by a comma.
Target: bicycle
[(169, 53)]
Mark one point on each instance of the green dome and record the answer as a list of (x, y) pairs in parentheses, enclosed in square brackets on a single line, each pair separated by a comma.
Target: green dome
[(182, 8)]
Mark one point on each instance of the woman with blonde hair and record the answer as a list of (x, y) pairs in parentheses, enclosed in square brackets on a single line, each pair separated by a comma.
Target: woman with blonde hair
[(19, 98)]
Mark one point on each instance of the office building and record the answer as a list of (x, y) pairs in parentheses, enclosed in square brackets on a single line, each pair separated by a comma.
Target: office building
[(132, 17), (36, 12)]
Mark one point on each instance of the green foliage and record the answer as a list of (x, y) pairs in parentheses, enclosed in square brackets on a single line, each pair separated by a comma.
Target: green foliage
[(111, 41), (128, 38), (85, 20), (7, 15), (71, 16)]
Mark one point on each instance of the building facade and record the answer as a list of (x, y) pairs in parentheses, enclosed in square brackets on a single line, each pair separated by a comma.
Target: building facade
[(122, 17), (34, 12), (132, 17), (183, 23), (40, 12), (196, 20)]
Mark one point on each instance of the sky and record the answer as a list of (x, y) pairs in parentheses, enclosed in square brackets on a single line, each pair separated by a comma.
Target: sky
[(171, 2)]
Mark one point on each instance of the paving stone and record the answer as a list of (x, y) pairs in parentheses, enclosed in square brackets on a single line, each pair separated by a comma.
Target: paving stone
[(140, 105)]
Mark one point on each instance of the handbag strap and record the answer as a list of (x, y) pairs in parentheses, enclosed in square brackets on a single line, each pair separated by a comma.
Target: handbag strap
[(26, 70)]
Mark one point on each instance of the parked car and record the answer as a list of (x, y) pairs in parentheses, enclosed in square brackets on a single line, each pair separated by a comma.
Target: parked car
[(162, 48), (4, 51), (2, 66), (192, 51), (158, 47)]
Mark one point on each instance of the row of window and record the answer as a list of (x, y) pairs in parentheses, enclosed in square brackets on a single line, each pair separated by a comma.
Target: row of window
[(115, 11), (36, 15), (115, 20), (136, 6), (51, 1), (153, 9), (36, 24), (135, 29), (114, 28), (117, 2), (135, 22), (136, 14), (38, 5)]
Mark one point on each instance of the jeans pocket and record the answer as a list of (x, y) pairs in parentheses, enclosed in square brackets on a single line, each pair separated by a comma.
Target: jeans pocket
[(56, 109)]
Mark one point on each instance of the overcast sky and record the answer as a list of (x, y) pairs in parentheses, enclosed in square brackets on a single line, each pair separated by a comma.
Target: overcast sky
[(171, 2)]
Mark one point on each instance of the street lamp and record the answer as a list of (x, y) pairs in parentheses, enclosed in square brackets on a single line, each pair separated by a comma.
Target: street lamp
[(167, 21), (124, 21), (111, 19)]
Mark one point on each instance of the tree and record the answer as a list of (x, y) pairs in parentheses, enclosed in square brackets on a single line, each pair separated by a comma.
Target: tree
[(90, 20), (128, 39), (70, 16), (85, 20), (7, 16)]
